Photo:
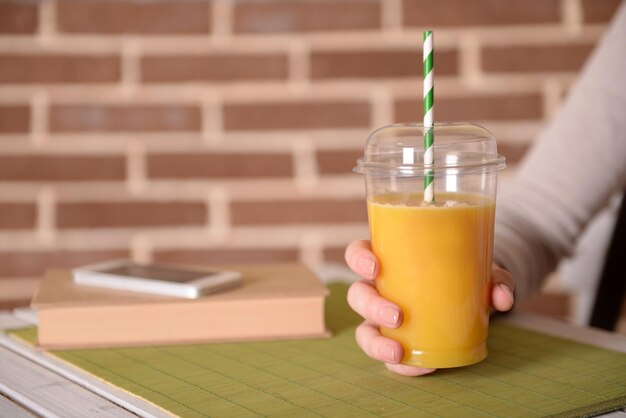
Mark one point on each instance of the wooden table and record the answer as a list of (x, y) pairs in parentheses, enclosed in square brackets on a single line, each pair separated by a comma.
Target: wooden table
[(32, 383)]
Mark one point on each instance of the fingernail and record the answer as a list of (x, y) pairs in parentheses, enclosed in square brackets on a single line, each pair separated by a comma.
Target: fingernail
[(388, 353), (389, 315), (367, 265), (506, 289)]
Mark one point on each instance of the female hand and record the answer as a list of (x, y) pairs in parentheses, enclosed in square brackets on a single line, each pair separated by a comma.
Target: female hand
[(377, 311)]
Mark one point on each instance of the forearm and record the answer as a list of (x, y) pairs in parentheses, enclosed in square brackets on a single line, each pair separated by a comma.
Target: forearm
[(579, 162)]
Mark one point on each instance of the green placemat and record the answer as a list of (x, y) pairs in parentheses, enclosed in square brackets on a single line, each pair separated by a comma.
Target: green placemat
[(527, 374)]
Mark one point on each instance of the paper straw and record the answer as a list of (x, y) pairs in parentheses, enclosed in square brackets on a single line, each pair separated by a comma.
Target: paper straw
[(429, 110)]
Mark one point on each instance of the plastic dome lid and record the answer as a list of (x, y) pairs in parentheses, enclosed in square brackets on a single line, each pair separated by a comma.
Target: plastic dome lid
[(398, 150)]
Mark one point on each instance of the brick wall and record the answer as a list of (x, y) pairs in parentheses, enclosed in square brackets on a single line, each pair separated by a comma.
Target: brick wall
[(225, 131)]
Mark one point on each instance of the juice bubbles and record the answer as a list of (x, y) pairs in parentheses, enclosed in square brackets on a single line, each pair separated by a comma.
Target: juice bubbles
[(435, 264)]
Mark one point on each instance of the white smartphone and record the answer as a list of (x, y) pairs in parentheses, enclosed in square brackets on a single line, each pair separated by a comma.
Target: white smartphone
[(167, 280)]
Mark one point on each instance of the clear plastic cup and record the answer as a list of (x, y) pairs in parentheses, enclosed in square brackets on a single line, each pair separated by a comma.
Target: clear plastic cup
[(435, 258)]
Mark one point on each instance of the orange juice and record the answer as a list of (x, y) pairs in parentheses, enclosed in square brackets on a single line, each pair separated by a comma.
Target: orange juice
[(436, 265)]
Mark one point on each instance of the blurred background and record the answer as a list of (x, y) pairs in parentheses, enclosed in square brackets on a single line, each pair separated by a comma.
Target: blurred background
[(225, 131)]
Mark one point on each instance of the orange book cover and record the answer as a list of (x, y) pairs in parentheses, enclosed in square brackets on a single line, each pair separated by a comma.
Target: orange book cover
[(276, 301)]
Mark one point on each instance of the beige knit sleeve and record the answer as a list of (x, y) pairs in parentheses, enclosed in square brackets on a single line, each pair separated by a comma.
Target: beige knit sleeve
[(577, 164)]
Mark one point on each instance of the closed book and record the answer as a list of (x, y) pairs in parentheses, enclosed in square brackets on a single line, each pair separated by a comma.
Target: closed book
[(275, 301)]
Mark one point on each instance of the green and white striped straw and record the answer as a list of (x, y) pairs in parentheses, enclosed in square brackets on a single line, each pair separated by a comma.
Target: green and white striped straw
[(429, 110)]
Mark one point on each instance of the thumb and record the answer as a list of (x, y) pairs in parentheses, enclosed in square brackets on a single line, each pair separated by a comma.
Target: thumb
[(503, 288)]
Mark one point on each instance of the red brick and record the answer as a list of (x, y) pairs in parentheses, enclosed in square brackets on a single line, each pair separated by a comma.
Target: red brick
[(334, 254), (6, 305), (599, 11), (296, 115), (378, 64), (59, 68), (533, 59), (478, 12), (18, 17), (116, 118), (35, 263), (39, 167), (14, 119), (307, 211), (528, 106), (213, 165), (17, 215), (514, 152), (342, 161), (226, 255), (214, 68), (140, 17), (130, 214), (337, 161), (305, 16)]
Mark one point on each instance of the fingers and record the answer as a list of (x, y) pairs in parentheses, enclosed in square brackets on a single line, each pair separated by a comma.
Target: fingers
[(386, 350), (405, 370), (364, 299), (502, 297), (376, 346), (361, 259)]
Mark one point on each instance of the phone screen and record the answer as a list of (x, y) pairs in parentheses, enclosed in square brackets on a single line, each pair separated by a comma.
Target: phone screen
[(158, 273)]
